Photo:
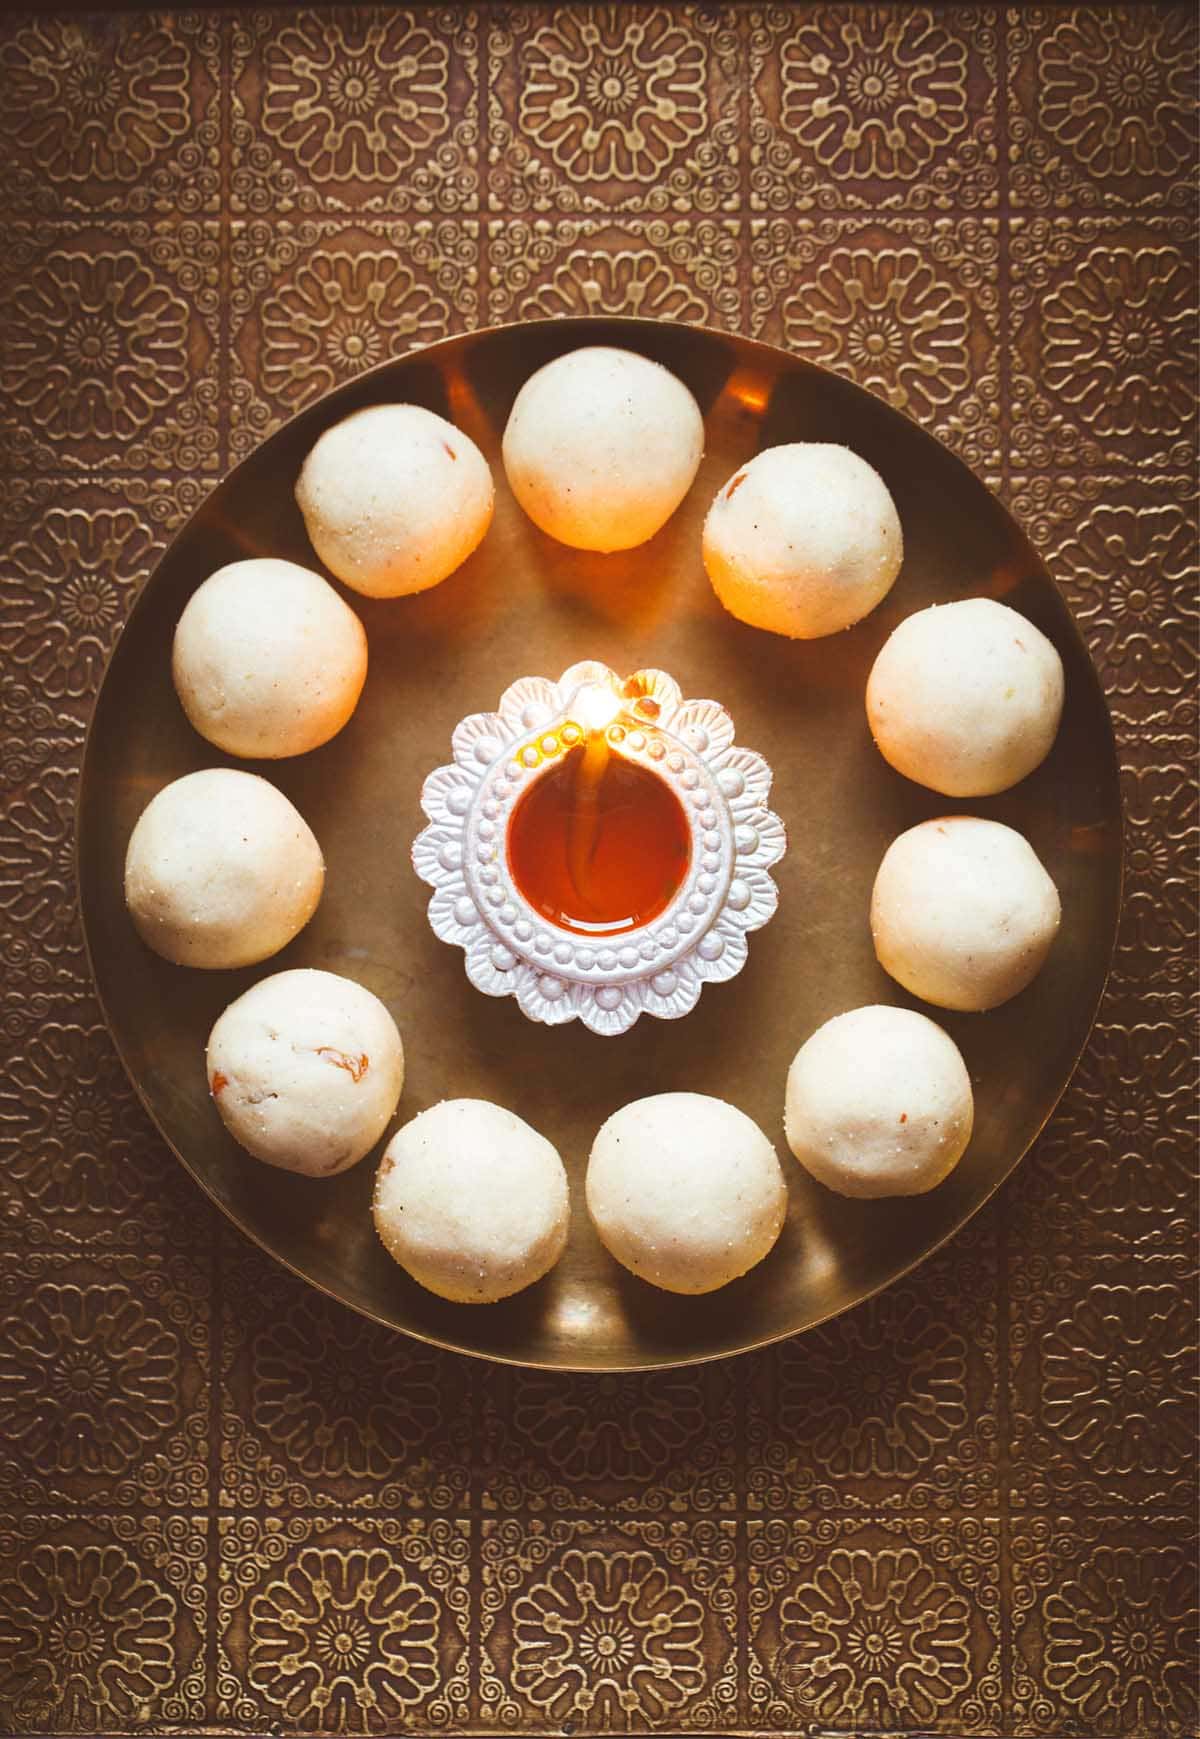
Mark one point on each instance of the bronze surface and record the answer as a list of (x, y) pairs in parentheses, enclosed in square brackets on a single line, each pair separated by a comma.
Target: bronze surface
[(209, 1473), (526, 605)]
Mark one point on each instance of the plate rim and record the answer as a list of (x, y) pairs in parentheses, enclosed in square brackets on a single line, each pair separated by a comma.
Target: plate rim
[(575, 326)]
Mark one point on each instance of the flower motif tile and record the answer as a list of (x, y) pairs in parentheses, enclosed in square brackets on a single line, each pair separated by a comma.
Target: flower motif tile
[(856, 1624), (657, 268), (608, 1626), (892, 1406), (872, 108), (102, 1622), (104, 1379), (1113, 1172), (1158, 921), (1105, 1625), (613, 108), (1103, 1383), (1123, 549), (40, 728), (660, 1442), (72, 574), (1102, 106), (79, 1160), (356, 110), (908, 309), (322, 1409), (37, 874), (331, 1626), (76, 1120), (105, 113), (1104, 315), (110, 358), (42, 982), (318, 302), (36, 734)]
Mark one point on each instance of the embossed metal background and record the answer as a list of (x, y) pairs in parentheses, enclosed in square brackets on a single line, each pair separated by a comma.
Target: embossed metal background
[(228, 1507)]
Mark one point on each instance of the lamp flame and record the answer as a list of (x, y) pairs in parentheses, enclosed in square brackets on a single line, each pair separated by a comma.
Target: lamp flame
[(596, 705)]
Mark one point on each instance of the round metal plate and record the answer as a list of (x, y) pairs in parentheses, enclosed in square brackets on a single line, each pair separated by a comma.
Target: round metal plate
[(524, 605)]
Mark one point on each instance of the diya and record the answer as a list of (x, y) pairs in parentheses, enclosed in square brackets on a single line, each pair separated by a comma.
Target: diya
[(600, 848)]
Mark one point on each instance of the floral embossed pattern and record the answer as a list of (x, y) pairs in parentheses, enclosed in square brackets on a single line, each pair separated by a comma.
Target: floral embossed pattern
[(879, 100), (109, 346), (1109, 1637), (87, 1381), (1105, 1619), (104, 1379), (322, 1410), (99, 112), (870, 1624), (358, 102), (341, 1634), (1128, 1124), (362, 109), (648, 1444), (908, 310), (873, 1632), (658, 269), (1103, 1384), (604, 106), (604, 283), (339, 1627), (613, 98), (1127, 566), (335, 1400), (858, 107), (341, 313), (99, 348), (74, 573), (609, 1633), (888, 319), (86, 113), (896, 1395), (226, 1505), (628, 1431), (67, 1113), (1116, 348), (1103, 104), (1118, 1381), (37, 876), (619, 1628), (317, 303), (85, 1638), (1106, 340)]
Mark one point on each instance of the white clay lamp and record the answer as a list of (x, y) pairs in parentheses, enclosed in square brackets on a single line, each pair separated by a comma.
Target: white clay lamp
[(599, 847)]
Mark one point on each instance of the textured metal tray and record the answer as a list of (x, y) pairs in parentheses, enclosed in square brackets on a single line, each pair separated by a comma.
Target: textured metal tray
[(523, 605)]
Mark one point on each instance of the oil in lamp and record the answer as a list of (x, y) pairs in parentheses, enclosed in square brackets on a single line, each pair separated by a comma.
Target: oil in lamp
[(600, 848)]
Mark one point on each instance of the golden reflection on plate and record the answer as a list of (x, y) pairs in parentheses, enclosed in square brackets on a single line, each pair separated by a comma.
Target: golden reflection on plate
[(524, 605)]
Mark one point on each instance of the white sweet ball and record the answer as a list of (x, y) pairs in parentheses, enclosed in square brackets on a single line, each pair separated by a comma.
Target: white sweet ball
[(803, 540), (601, 446), (879, 1103), (394, 499), (471, 1201), (305, 1070), (221, 870), (685, 1191), (268, 660), (963, 913), (966, 697)]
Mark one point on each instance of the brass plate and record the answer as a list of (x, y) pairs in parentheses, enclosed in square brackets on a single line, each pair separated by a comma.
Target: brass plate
[(524, 605)]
